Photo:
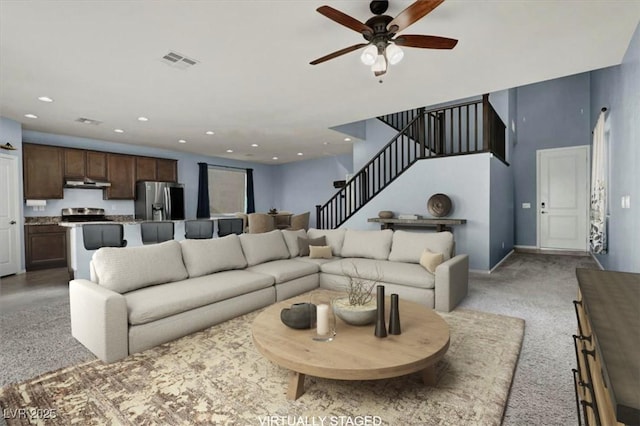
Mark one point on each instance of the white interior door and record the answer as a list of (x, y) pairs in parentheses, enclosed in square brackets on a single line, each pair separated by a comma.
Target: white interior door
[(9, 215), (563, 188)]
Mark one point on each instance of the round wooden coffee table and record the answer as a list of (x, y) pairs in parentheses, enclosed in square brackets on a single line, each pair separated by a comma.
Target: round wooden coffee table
[(355, 353)]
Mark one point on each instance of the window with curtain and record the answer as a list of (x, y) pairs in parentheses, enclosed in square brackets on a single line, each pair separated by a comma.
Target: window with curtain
[(227, 190)]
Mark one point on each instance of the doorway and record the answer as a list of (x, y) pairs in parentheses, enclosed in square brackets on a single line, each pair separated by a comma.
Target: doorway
[(9, 216), (563, 198)]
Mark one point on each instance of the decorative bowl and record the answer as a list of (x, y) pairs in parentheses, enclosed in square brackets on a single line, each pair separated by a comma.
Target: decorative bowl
[(385, 214), (355, 315), (439, 205), (300, 316)]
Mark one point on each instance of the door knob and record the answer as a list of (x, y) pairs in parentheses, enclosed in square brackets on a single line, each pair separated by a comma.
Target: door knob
[(13, 222), (543, 212)]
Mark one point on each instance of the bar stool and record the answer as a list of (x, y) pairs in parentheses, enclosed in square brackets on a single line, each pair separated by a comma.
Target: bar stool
[(198, 229), (230, 226), (97, 235), (156, 232)]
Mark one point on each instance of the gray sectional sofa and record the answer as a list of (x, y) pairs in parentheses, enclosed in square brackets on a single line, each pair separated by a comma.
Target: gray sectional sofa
[(140, 297)]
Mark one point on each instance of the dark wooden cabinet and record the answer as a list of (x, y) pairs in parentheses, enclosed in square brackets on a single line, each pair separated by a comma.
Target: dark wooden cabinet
[(167, 170), (146, 168), (96, 164), (74, 163), (121, 172), (45, 246), (43, 168)]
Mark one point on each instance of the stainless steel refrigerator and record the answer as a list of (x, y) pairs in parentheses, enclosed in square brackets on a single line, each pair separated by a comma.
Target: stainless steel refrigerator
[(159, 201)]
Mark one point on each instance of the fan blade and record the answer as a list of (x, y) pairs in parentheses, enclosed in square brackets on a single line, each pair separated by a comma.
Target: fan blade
[(412, 13), (344, 19), (338, 53), (425, 41)]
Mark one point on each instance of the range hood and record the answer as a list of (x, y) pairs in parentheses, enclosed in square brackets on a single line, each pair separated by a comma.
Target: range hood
[(86, 184)]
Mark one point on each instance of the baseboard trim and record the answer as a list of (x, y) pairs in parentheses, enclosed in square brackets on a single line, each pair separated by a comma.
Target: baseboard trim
[(501, 261), (538, 250), (593, 256)]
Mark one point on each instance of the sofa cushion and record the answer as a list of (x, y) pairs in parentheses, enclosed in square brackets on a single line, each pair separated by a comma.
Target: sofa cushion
[(409, 274), (367, 244), (202, 257), (335, 238), (318, 262), (291, 239), (260, 248), (430, 260), (305, 243), (161, 301), (408, 246), (124, 269), (285, 270)]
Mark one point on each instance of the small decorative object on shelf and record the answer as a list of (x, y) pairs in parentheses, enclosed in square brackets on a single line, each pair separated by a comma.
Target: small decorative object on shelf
[(381, 327), (385, 214), (394, 316), (300, 316), (273, 211), (439, 205)]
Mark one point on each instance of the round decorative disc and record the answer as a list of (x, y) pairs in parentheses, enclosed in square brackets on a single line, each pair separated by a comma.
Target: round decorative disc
[(439, 205)]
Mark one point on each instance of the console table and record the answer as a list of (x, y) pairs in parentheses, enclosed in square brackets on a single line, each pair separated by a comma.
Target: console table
[(439, 224)]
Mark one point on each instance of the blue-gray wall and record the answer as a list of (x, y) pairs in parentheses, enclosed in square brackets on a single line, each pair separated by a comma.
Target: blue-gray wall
[(550, 114), (263, 176), (300, 186), (501, 206), (618, 89)]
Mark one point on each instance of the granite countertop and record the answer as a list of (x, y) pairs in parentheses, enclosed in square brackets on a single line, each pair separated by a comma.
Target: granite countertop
[(57, 220)]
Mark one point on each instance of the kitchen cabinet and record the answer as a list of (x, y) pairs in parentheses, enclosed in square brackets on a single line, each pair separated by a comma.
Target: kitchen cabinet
[(167, 170), (74, 163), (45, 246), (96, 164), (121, 172), (145, 168), (43, 169)]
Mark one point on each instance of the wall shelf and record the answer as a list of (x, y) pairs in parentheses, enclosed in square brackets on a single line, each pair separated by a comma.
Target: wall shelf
[(439, 224)]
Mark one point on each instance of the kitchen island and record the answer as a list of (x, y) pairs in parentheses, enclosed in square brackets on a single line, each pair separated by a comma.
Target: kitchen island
[(79, 257)]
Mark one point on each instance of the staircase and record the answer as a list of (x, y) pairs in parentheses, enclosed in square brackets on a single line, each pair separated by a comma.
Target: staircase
[(465, 128)]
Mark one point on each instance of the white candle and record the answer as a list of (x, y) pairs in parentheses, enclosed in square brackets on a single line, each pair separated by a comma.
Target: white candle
[(322, 313)]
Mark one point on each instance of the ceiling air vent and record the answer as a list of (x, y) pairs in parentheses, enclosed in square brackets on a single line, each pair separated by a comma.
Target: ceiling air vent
[(176, 60), (84, 120)]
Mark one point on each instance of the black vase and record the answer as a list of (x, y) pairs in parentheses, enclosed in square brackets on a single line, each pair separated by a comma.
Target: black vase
[(381, 327), (394, 316)]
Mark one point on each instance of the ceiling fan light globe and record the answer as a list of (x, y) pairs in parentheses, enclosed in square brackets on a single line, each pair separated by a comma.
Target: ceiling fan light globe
[(369, 55), (394, 54), (380, 65)]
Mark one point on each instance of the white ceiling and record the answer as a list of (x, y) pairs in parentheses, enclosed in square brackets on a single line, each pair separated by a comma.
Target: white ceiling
[(253, 82)]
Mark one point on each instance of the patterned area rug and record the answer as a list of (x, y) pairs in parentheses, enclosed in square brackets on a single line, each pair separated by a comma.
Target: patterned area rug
[(217, 377)]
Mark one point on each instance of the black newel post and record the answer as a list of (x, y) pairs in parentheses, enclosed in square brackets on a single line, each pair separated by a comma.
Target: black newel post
[(394, 316), (381, 327)]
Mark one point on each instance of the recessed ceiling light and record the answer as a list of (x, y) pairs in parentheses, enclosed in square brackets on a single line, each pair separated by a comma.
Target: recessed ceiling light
[(254, 145), (118, 130), (143, 119), (347, 139), (325, 143), (45, 99), (209, 132), (274, 158), (300, 153), (31, 116), (181, 141), (229, 150)]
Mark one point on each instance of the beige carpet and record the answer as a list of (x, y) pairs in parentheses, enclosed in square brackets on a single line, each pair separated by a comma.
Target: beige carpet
[(217, 377)]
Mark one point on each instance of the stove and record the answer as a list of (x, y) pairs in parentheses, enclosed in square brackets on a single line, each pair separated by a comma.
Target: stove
[(84, 214)]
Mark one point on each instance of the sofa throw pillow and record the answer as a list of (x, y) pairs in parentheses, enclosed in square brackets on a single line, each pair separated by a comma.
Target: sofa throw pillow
[(291, 239), (260, 248), (367, 244), (305, 243), (430, 260), (335, 238), (408, 246), (203, 257), (124, 269), (320, 252)]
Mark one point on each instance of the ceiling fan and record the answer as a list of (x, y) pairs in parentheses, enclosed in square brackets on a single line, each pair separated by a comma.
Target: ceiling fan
[(380, 32)]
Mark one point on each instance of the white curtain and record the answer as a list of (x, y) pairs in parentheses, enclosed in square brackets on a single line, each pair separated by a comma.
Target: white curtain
[(598, 216)]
